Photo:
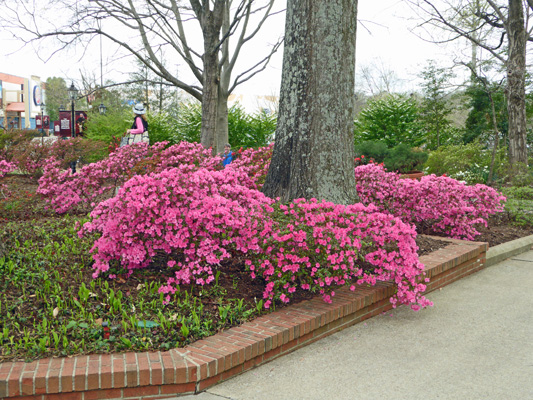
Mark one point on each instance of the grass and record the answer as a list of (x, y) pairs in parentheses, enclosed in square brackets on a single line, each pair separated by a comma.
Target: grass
[(51, 306)]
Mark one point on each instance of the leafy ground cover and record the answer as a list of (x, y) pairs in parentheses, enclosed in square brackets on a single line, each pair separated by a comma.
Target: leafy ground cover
[(51, 305)]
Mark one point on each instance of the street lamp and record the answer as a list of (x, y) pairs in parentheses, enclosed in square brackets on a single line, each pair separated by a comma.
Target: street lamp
[(61, 107), (73, 95), (42, 105), (102, 109)]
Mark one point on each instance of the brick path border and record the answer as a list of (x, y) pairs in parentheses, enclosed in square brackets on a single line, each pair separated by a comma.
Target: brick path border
[(160, 375)]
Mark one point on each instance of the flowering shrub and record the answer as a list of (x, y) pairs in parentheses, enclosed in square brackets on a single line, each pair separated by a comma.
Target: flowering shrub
[(5, 168), (254, 162), (317, 246), (196, 219), (65, 191), (448, 206)]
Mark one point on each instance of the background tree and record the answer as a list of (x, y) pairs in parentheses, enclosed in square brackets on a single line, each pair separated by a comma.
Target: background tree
[(393, 119), (143, 27), (506, 18), (56, 95), (435, 105), (148, 88), (313, 155)]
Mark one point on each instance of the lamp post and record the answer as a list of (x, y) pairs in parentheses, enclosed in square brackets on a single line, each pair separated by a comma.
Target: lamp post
[(42, 105), (73, 95)]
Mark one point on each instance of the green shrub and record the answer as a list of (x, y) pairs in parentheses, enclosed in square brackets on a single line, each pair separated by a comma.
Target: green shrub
[(404, 159), (519, 204), (162, 128), (250, 130), (375, 150), (469, 162), (401, 158), (244, 130), (393, 119), (519, 193)]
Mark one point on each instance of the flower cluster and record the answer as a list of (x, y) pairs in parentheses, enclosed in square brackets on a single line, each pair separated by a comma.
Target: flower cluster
[(195, 219), (254, 162), (5, 168), (317, 246), (445, 204), (65, 191)]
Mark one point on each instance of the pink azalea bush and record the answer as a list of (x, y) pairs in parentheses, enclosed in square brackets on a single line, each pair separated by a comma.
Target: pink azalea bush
[(195, 219), (445, 204), (5, 168), (318, 246), (65, 191), (254, 162)]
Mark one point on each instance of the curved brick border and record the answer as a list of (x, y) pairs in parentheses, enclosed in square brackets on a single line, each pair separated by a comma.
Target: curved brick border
[(160, 375)]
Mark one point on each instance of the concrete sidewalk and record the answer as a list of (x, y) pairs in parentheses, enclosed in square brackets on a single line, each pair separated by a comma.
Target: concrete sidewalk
[(476, 342)]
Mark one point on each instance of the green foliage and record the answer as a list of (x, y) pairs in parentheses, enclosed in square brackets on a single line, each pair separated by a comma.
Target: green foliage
[(189, 122), (469, 162), (519, 205), (244, 130), (375, 150), (393, 119), (478, 124), (435, 108), (519, 193), (401, 158), (256, 130), (51, 306), (112, 124), (404, 159), (161, 128), (56, 95)]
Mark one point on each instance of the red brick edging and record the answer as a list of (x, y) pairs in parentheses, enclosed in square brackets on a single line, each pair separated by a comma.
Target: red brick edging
[(160, 375)]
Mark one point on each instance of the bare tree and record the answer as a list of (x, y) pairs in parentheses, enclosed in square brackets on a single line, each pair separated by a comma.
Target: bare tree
[(508, 21), (142, 27), (313, 154)]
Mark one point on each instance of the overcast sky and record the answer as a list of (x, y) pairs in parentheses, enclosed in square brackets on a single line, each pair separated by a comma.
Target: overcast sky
[(383, 38)]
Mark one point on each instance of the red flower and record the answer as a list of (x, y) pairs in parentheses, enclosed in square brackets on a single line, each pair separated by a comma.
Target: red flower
[(362, 156)]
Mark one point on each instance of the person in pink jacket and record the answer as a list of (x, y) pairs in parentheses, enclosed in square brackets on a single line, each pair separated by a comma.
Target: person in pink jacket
[(139, 128)]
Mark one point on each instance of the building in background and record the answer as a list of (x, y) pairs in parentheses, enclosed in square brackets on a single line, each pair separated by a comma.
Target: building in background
[(21, 100)]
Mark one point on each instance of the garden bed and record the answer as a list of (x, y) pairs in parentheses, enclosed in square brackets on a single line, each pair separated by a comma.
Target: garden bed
[(157, 375)]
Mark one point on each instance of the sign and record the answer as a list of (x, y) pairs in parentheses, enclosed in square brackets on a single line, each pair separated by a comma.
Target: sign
[(56, 128), (38, 122), (37, 94), (81, 118), (65, 129), (46, 122), (65, 123)]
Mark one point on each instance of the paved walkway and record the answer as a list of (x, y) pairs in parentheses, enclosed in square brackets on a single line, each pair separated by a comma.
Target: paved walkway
[(475, 343)]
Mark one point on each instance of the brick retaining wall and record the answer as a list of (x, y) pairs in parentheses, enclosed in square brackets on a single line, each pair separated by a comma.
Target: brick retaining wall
[(160, 375)]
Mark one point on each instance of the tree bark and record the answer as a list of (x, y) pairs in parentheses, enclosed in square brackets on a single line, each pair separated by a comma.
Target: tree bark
[(313, 154), (211, 22), (516, 94)]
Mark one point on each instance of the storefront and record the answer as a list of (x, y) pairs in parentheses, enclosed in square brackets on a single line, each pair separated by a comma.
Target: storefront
[(21, 101)]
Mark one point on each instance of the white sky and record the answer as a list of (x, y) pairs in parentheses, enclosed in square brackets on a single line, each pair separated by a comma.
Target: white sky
[(383, 38)]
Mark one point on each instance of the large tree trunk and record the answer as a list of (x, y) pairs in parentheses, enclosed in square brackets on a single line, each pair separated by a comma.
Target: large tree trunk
[(209, 100), (222, 136), (516, 94), (313, 153), (211, 22)]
